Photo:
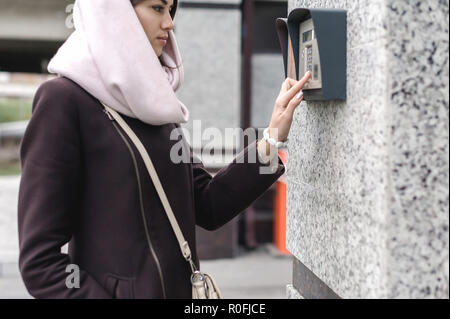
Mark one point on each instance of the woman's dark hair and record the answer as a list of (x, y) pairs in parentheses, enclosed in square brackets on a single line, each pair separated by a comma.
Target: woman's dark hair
[(172, 12)]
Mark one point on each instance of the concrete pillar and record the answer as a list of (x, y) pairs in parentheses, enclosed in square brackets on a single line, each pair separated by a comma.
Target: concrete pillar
[(368, 178), (209, 38)]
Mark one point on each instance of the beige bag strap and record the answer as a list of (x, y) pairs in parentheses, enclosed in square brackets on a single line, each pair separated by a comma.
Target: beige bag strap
[(184, 246)]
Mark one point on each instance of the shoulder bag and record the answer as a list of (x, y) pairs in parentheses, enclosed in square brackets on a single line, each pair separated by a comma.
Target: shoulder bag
[(203, 285)]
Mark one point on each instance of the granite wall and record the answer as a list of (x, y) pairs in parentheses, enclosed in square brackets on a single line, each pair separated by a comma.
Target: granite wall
[(368, 178)]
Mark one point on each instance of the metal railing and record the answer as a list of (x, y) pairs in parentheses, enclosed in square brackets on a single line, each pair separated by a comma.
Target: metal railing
[(13, 130)]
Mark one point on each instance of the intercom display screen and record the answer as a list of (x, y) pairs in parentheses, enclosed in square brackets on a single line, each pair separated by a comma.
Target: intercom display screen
[(307, 36)]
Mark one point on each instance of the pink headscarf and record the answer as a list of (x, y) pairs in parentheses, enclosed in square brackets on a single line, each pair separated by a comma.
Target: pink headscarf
[(110, 56)]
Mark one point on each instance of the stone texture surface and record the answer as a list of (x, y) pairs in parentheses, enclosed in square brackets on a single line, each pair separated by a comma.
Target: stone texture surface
[(308, 284), (292, 293), (367, 192), (418, 69)]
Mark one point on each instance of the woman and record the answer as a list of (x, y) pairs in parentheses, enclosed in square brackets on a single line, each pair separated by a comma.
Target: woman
[(84, 182)]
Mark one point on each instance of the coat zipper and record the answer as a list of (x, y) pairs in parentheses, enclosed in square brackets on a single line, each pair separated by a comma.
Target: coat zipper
[(152, 250)]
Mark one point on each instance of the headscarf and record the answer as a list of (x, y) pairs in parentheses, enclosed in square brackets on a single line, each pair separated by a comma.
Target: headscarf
[(110, 56)]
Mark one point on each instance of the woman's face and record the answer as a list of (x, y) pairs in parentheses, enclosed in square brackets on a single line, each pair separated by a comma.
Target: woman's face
[(155, 18)]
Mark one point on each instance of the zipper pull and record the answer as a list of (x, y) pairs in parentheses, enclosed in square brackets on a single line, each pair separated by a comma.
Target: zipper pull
[(109, 114)]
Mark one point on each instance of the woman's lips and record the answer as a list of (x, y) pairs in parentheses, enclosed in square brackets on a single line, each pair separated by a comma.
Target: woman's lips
[(162, 40)]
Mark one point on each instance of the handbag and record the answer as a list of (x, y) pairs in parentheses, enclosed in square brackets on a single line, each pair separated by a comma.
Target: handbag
[(203, 285)]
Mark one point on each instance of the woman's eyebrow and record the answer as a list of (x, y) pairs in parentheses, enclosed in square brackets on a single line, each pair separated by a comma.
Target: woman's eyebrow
[(165, 2)]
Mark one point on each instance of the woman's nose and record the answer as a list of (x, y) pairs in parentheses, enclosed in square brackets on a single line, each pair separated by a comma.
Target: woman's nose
[(167, 22)]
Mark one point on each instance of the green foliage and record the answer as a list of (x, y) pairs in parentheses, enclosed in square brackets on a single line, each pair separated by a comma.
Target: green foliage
[(12, 110), (10, 168)]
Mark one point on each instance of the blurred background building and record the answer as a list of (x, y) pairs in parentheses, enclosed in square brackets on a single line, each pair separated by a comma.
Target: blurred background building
[(233, 74)]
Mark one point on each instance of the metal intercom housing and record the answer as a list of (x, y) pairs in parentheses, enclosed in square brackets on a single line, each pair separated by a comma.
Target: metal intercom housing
[(315, 40)]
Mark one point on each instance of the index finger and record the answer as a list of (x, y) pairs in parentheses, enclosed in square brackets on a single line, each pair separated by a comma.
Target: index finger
[(288, 83), (296, 87)]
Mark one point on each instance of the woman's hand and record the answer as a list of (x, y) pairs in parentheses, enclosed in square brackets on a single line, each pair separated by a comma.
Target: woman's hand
[(289, 98), (287, 101)]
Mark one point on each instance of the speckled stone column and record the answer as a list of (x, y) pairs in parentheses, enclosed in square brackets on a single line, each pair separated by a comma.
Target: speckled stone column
[(368, 178)]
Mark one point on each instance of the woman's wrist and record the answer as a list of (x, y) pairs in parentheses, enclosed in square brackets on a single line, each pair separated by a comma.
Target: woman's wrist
[(271, 134), (266, 151)]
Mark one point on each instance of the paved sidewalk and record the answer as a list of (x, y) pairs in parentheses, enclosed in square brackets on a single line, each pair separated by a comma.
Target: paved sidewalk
[(259, 274), (9, 238)]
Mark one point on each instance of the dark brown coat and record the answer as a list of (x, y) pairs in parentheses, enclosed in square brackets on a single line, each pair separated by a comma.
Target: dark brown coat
[(79, 184)]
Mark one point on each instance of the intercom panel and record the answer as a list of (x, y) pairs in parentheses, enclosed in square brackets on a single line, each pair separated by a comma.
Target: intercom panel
[(315, 39), (309, 55)]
